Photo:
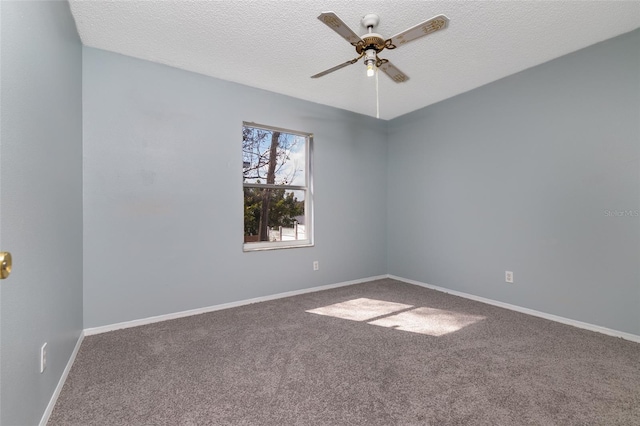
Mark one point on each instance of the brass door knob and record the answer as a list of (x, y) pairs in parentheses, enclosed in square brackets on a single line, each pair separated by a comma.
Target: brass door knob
[(5, 264)]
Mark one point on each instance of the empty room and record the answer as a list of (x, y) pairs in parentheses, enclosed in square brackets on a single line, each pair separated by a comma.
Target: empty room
[(319, 213)]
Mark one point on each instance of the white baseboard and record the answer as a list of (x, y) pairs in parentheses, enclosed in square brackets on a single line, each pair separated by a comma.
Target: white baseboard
[(563, 320), (175, 315), (63, 378)]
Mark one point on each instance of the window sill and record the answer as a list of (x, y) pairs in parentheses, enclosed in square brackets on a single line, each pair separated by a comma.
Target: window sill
[(277, 245)]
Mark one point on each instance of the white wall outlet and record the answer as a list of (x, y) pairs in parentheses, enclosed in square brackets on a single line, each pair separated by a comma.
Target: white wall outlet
[(508, 276), (316, 265), (43, 358)]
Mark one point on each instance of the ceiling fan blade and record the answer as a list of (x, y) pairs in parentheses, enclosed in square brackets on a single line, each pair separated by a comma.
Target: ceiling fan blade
[(337, 67), (394, 73), (332, 21), (432, 25)]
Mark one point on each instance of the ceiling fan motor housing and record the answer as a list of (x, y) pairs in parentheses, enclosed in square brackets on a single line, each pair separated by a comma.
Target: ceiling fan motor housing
[(371, 41)]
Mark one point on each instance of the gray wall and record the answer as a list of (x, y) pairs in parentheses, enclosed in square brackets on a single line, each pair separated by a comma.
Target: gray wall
[(163, 192), (518, 175), (41, 202)]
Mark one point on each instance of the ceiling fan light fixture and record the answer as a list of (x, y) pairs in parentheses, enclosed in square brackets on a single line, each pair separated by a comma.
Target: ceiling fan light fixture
[(370, 62)]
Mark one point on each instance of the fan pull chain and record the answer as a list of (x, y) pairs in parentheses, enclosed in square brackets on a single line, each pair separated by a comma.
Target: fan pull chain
[(377, 97)]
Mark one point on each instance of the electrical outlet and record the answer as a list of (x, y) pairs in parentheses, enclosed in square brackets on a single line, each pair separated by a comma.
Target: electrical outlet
[(43, 358), (316, 265), (508, 276)]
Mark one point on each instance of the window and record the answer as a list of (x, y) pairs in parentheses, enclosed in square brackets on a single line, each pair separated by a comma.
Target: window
[(276, 174)]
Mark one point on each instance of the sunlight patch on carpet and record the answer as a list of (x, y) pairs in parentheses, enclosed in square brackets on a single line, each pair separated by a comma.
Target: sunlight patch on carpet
[(434, 322), (430, 321), (362, 309)]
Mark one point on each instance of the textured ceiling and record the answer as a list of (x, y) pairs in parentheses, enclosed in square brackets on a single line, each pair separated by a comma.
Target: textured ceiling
[(278, 45)]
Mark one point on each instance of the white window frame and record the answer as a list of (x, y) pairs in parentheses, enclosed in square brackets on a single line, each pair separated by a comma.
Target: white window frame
[(308, 199)]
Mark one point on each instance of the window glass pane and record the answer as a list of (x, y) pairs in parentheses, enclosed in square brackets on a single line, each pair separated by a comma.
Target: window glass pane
[(274, 215), (273, 157), (277, 196)]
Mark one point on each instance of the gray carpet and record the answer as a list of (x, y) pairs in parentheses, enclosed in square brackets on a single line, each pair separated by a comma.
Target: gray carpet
[(391, 354)]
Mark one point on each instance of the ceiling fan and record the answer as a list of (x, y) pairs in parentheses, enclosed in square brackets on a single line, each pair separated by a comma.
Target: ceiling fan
[(370, 44)]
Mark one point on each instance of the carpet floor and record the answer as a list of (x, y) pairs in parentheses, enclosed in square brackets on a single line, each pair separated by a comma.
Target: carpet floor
[(378, 353)]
